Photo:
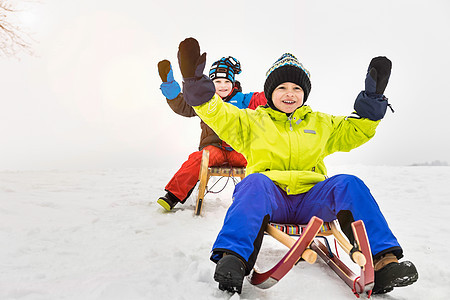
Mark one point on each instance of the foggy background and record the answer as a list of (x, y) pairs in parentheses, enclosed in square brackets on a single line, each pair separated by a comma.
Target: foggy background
[(89, 97)]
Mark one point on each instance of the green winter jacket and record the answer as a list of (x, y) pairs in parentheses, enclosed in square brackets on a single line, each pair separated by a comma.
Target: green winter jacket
[(289, 150)]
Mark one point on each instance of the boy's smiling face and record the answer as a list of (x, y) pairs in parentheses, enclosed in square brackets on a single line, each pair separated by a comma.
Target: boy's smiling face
[(287, 97), (223, 87)]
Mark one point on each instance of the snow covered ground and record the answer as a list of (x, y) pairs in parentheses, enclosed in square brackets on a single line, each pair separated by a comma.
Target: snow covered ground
[(101, 235)]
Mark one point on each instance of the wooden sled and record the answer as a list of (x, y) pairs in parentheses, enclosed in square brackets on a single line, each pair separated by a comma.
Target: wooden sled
[(359, 253), (207, 172)]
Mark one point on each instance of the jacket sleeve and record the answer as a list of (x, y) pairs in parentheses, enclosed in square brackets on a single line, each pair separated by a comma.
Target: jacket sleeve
[(179, 106), (230, 123), (257, 99), (348, 133), (253, 100)]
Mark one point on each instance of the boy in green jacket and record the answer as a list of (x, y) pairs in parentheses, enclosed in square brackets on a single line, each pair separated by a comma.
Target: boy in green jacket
[(285, 143)]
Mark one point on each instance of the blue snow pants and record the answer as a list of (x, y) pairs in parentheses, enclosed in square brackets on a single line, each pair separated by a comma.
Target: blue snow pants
[(257, 200)]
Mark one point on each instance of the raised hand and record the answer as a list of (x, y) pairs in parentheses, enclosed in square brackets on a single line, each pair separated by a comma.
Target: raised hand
[(378, 75), (197, 88), (191, 62), (170, 88), (164, 68), (371, 103)]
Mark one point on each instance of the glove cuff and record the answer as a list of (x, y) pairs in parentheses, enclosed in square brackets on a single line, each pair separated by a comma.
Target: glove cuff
[(170, 89), (371, 106), (197, 91)]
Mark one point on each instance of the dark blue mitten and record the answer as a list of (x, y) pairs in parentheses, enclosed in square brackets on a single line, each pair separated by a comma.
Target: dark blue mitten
[(371, 103), (197, 87), (170, 88)]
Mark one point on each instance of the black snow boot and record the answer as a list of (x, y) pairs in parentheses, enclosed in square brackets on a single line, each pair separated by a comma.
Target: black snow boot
[(230, 272), (168, 201), (389, 273)]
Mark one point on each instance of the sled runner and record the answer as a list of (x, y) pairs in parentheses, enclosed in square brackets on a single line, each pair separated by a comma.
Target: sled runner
[(207, 172), (297, 248), (359, 253)]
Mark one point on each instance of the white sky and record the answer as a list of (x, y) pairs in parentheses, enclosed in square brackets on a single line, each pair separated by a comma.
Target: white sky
[(89, 98)]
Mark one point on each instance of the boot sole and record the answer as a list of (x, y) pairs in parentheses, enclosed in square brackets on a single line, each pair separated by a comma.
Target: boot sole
[(399, 282), (226, 283), (164, 204)]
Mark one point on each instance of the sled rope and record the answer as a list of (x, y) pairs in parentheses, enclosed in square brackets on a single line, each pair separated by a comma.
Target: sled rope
[(209, 190), (354, 287)]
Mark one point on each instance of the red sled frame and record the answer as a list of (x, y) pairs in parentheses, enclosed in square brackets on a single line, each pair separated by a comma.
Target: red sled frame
[(313, 236)]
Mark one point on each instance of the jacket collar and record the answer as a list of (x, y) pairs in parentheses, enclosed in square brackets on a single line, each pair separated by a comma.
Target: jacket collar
[(300, 113)]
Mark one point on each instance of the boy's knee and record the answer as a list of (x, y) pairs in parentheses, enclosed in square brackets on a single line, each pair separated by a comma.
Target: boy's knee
[(196, 156), (254, 182), (257, 178), (349, 179)]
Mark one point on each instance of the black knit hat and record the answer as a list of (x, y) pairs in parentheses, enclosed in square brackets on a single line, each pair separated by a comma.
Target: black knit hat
[(286, 69)]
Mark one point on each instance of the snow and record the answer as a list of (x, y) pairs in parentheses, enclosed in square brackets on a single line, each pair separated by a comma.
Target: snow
[(101, 235)]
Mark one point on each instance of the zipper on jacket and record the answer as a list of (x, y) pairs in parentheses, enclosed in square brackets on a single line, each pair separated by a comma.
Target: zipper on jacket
[(290, 122)]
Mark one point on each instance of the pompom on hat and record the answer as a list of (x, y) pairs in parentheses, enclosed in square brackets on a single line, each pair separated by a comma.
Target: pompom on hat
[(226, 67), (286, 69)]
